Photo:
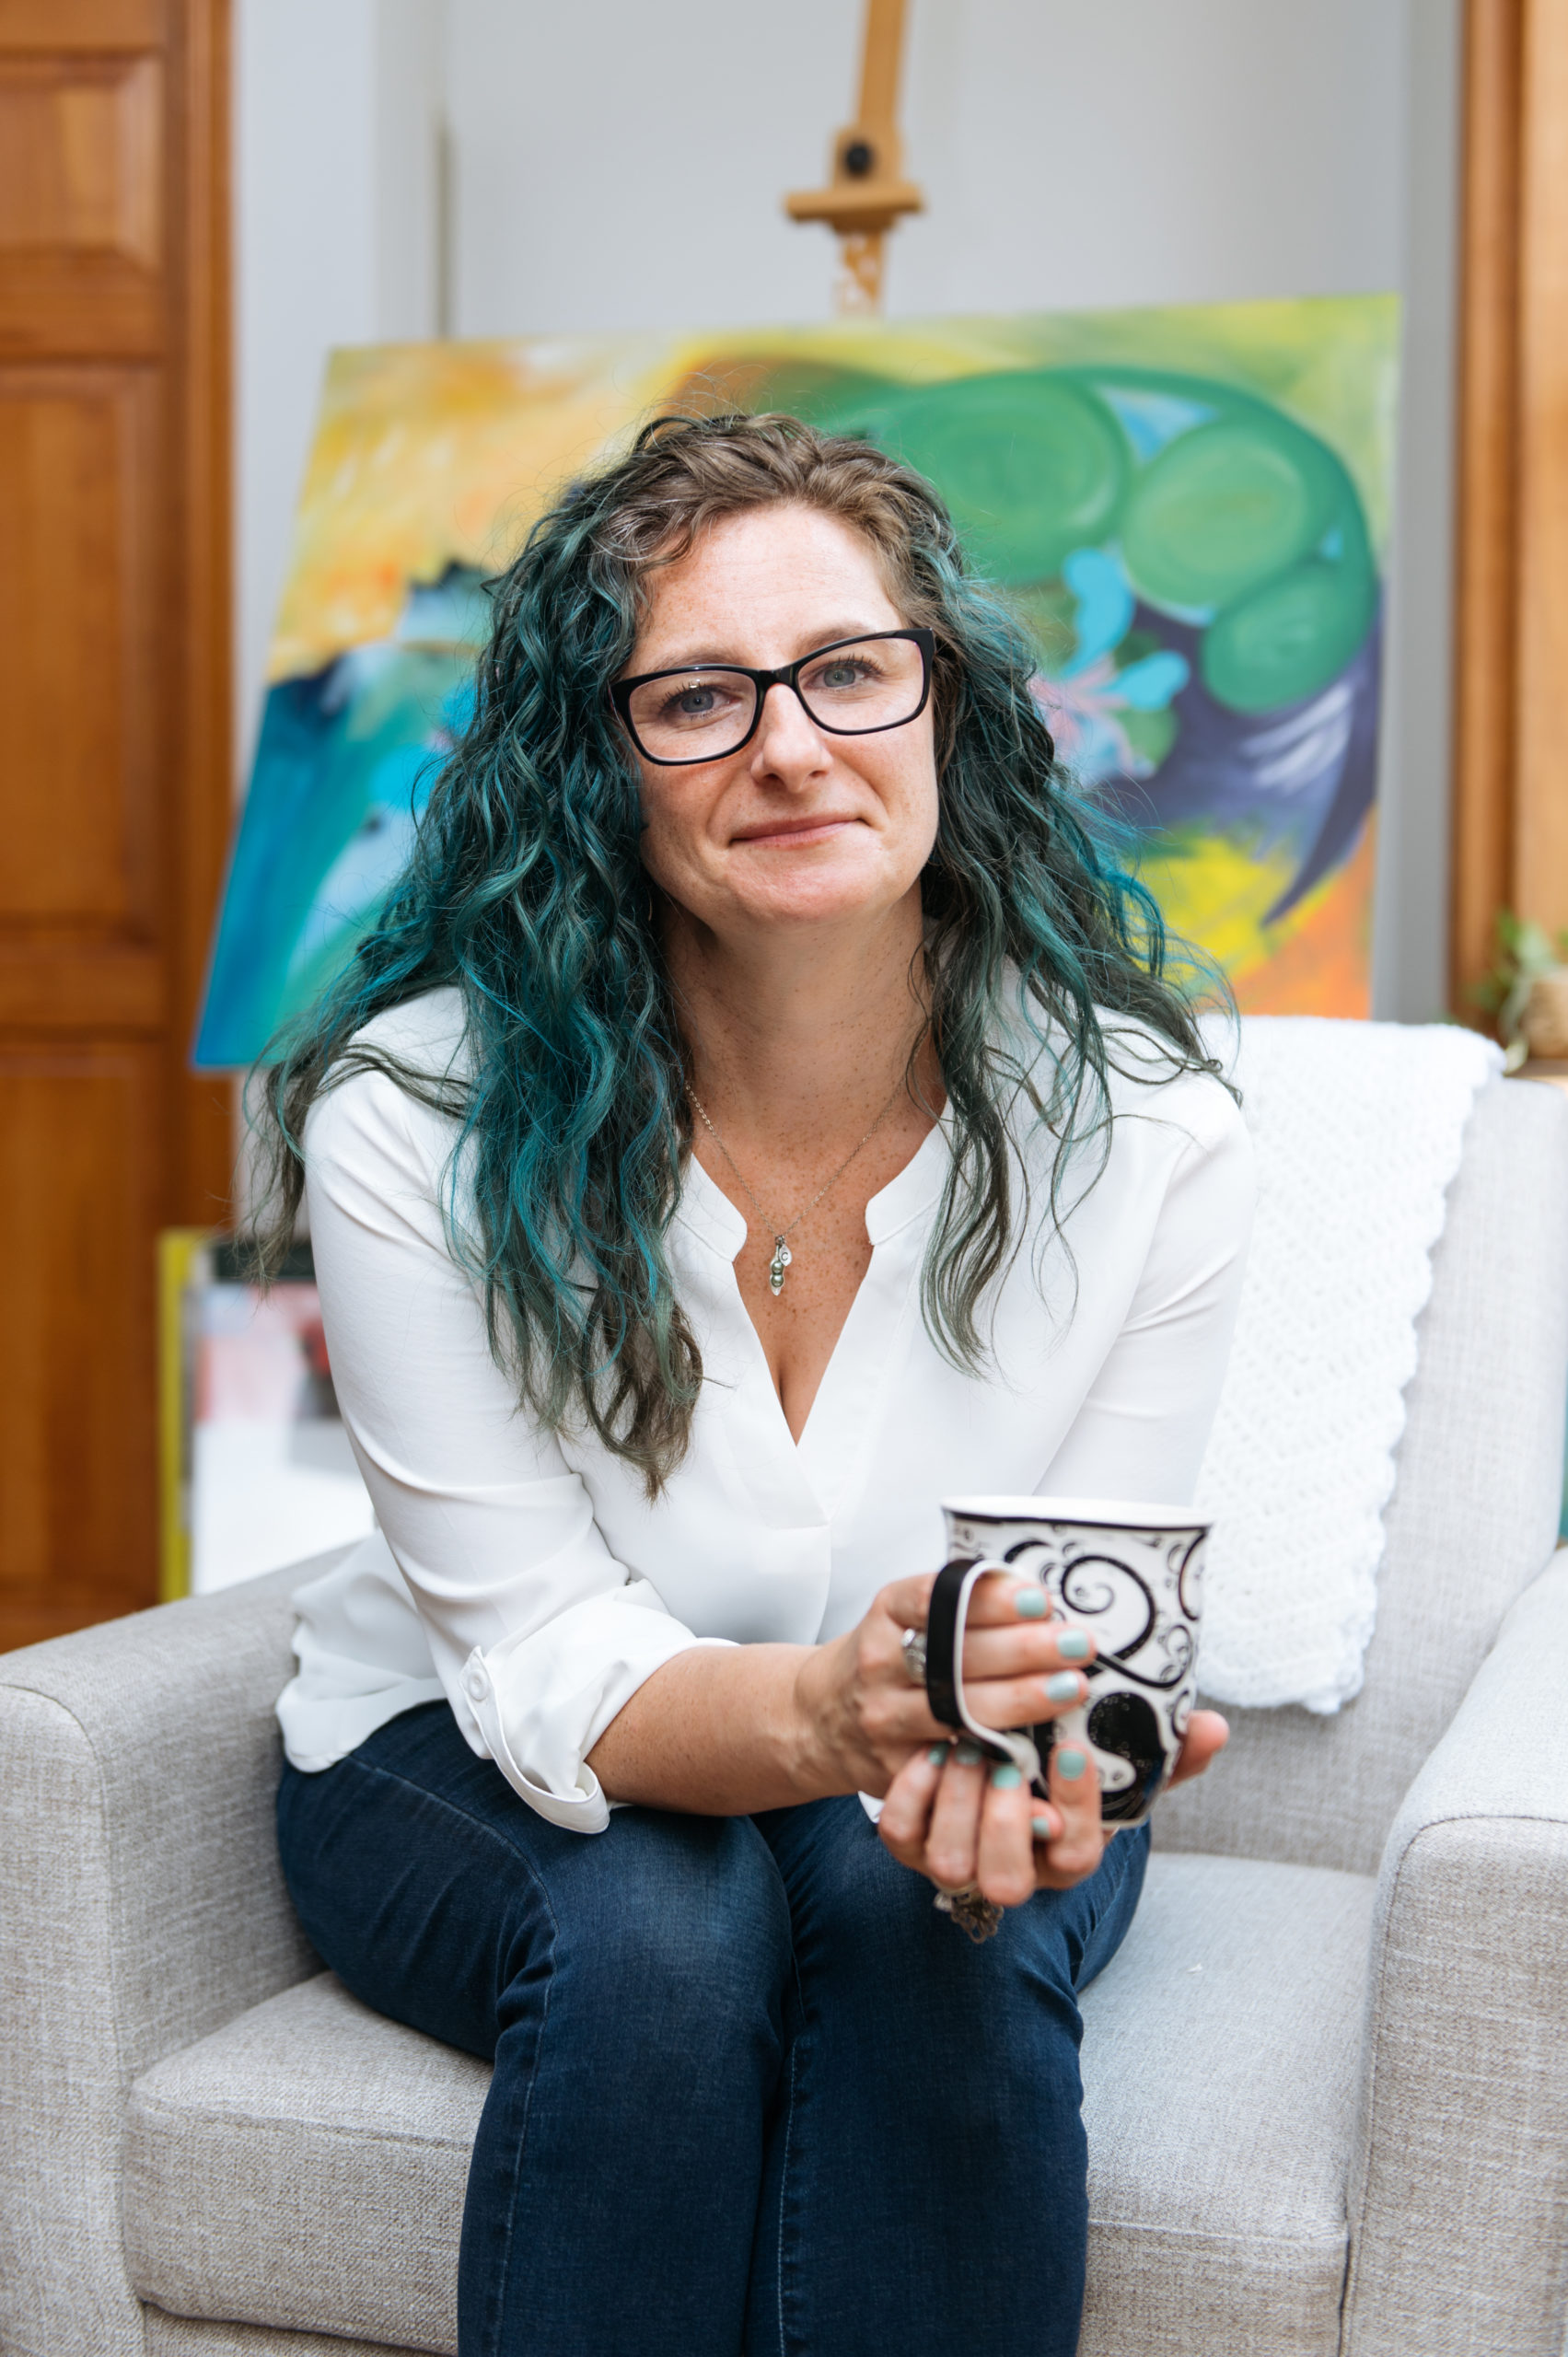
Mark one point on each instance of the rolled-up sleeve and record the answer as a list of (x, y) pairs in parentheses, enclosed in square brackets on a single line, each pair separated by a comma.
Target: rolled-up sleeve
[(538, 1634)]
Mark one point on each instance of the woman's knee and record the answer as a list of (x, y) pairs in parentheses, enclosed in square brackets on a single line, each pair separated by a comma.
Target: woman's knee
[(678, 1927)]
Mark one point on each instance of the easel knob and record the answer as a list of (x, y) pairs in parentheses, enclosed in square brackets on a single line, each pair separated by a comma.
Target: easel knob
[(867, 193)]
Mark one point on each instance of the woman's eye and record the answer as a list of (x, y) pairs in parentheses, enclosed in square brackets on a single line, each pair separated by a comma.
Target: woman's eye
[(697, 700), (851, 673)]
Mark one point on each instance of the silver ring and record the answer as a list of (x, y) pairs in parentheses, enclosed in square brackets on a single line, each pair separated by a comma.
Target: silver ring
[(913, 1643)]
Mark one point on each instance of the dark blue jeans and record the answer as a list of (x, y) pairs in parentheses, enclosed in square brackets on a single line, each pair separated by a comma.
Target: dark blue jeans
[(751, 2090)]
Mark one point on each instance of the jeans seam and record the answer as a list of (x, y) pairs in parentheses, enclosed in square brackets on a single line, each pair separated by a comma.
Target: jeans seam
[(372, 1768), (783, 2188), (1108, 1900), (504, 2271)]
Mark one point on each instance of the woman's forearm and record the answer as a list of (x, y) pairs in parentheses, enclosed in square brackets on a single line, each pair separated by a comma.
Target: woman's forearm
[(719, 1732)]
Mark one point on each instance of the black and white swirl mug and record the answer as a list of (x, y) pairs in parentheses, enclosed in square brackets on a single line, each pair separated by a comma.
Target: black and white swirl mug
[(1133, 1577)]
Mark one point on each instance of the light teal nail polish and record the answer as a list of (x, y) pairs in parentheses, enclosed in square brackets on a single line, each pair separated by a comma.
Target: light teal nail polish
[(1066, 1687), (1029, 1603), (1006, 1778), (969, 1755), (1072, 1764), (937, 1756), (1072, 1646), (1041, 1828)]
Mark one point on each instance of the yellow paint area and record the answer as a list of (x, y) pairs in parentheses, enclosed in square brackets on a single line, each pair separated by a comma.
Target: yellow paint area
[(1217, 889)]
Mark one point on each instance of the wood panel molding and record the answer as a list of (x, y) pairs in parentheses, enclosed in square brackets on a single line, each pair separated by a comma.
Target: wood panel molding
[(1540, 725), (79, 1439), (78, 650), (79, 156), (1511, 649), (114, 676), (75, 989), (84, 25), (202, 1106)]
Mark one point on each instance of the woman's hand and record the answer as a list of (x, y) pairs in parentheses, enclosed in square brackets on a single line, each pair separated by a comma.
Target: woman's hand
[(947, 1812), (966, 1823), (865, 1720)]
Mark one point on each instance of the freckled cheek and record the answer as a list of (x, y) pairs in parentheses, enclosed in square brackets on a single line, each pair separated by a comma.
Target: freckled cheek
[(915, 815), (676, 839)]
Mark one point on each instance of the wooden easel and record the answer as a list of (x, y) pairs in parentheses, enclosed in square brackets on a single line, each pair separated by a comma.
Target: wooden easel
[(868, 191)]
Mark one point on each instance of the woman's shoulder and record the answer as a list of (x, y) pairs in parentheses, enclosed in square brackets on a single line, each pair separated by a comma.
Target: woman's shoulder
[(427, 1036), (382, 1097), (1149, 1079)]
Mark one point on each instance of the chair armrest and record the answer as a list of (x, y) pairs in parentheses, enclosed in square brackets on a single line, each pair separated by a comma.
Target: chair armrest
[(1458, 2194), (144, 1906)]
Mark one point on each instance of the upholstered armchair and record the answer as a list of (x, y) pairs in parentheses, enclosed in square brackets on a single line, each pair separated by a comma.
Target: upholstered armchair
[(1327, 2077)]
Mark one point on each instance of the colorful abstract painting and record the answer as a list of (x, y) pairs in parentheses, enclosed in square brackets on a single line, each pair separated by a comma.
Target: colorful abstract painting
[(1189, 508)]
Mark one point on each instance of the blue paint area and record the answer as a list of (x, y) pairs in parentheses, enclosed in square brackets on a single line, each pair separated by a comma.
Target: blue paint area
[(345, 766), (1150, 420), (1154, 683), (1306, 775), (1104, 600)]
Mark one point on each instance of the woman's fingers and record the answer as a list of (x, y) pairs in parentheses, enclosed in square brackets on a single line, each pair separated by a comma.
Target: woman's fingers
[(952, 1843), (965, 1821), (1026, 1702), (1018, 1670), (1078, 1848), (1207, 1734), (907, 1602), (906, 1808), (1004, 1863), (1028, 1646), (1010, 1629)]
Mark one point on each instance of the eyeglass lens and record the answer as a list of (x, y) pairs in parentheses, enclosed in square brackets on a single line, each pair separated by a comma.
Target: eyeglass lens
[(702, 714)]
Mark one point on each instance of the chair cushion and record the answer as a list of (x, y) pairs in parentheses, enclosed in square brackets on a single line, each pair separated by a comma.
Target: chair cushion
[(305, 2167), (1222, 2050)]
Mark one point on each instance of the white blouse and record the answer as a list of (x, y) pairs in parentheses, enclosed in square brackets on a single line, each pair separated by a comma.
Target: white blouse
[(527, 1578)]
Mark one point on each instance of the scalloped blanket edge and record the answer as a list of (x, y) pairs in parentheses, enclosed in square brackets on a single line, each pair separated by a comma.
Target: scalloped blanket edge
[(1357, 1129)]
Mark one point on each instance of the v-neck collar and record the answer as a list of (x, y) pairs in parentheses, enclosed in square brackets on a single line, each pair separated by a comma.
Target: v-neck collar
[(708, 1213), (811, 1479)]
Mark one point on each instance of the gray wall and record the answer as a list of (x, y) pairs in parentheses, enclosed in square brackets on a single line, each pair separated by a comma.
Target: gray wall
[(500, 166)]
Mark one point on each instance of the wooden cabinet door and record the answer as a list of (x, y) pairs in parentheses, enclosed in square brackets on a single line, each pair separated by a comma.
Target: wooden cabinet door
[(114, 756)]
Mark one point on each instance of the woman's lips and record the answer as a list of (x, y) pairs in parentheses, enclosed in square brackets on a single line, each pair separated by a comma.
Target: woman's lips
[(801, 832)]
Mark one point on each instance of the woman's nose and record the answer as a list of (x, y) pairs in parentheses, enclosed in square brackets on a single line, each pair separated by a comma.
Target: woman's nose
[(787, 736)]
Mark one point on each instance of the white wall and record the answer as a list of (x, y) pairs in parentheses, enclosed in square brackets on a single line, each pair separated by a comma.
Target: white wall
[(622, 167), (1409, 975), (613, 165), (336, 115)]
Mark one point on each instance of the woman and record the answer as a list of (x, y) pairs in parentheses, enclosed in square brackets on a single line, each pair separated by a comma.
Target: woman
[(760, 1113)]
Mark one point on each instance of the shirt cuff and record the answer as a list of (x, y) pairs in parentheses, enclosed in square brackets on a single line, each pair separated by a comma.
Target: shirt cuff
[(538, 1704)]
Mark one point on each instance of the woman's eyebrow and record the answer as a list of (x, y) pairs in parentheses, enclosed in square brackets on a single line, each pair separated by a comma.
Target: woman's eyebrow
[(716, 651)]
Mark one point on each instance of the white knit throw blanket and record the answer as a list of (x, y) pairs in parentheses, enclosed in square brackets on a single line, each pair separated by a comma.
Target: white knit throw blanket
[(1356, 1128)]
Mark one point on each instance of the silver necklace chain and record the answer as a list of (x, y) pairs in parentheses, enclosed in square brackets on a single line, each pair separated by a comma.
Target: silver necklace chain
[(782, 1256)]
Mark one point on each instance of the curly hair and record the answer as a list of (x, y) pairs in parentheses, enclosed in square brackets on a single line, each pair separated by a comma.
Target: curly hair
[(527, 892)]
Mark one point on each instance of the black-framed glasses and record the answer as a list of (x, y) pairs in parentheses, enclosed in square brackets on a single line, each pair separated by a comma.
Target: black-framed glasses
[(704, 712)]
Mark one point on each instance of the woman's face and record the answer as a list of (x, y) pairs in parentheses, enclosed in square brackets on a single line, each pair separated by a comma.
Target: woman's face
[(800, 826)]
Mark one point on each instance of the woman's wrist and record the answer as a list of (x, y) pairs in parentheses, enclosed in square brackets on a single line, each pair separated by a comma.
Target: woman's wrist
[(827, 1760), (726, 1730)]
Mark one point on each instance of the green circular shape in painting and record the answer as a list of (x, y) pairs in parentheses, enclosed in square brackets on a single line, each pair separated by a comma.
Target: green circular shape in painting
[(1029, 467), (1289, 638), (1224, 508)]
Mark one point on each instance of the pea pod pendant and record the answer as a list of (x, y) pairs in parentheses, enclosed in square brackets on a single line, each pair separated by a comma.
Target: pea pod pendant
[(778, 1264)]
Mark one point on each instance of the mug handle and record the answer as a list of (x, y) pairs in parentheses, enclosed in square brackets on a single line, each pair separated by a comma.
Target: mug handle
[(944, 1626)]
